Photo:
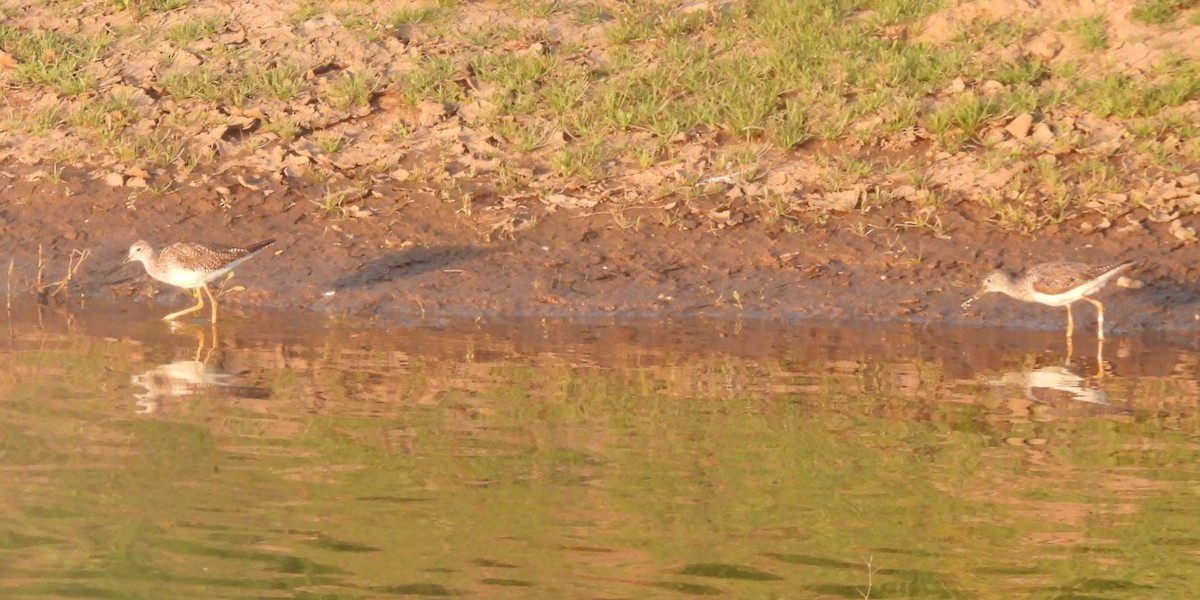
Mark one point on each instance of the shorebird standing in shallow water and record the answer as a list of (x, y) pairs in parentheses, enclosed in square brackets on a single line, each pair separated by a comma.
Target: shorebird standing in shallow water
[(192, 266), (1055, 284)]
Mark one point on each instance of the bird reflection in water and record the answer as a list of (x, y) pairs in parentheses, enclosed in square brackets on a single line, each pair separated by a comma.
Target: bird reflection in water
[(201, 376), (1051, 382)]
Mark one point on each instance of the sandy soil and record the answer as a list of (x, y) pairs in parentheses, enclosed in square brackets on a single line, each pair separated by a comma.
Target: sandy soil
[(400, 248)]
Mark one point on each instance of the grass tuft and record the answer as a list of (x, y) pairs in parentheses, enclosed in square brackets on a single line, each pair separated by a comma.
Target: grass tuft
[(52, 59)]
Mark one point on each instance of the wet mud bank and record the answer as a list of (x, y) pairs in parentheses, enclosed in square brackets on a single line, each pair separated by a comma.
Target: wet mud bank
[(429, 259)]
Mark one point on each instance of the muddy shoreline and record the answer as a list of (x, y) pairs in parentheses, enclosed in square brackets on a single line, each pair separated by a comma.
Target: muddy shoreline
[(433, 261)]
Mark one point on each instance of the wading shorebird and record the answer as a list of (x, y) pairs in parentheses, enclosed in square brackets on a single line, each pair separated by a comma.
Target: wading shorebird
[(192, 266), (1055, 284)]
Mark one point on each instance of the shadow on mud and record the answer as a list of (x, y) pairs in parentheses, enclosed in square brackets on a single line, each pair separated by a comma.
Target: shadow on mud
[(408, 263)]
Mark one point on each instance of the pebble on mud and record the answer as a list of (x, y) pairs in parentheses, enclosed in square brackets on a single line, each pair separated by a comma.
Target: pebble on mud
[(1020, 125)]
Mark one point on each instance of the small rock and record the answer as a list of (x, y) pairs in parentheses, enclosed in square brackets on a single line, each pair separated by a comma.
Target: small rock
[(114, 179), (844, 200), (1042, 133), (536, 48), (296, 160), (992, 87), (698, 5), (252, 185), (1181, 232), (993, 136), (1045, 46), (1130, 283), (1192, 203), (1020, 125), (136, 182), (1087, 227), (720, 217), (1133, 226), (565, 201), (957, 86), (185, 60), (355, 211), (430, 113)]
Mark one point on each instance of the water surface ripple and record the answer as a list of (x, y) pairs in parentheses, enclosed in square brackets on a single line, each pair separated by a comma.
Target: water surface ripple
[(275, 457)]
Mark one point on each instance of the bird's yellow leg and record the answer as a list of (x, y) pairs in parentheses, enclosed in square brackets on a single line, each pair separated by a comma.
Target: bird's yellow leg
[(199, 342), (1070, 322), (222, 289), (199, 305), (212, 299), (1099, 317)]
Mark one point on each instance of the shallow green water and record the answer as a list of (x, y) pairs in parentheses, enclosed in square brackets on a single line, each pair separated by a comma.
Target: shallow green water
[(533, 460)]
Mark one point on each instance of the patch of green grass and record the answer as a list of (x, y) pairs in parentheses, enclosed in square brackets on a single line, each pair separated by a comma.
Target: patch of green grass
[(590, 13), (523, 135), (564, 92), (110, 112), (743, 162), (1095, 175), (1016, 217), (536, 8), (623, 104), (629, 27), (306, 11), (490, 34), (512, 71), (352, 89), (967, 113), (1158, 12), (744, 106), (401, 130), (1121, 95), (431, 80), (1114, 94), (201, 84), (329, 143), (52, 59), (197, 28), (1022, 71), (160, 148), (144, 7), (331, 203), (282, 82), (284, 127), (685, 24), (984, 34), (585, 161), (42, 122), (414, 15), (363, 24), (1092, 32)]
